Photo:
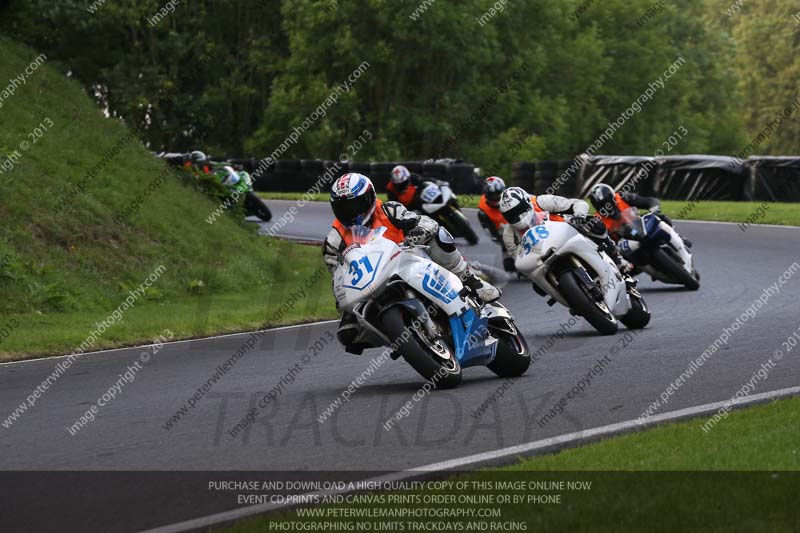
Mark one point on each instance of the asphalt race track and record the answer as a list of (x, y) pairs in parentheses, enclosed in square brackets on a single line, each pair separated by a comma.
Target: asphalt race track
[(129, 434)]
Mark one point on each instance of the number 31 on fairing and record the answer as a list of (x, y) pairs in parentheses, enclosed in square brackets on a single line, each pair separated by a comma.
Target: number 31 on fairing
[(362, 271)]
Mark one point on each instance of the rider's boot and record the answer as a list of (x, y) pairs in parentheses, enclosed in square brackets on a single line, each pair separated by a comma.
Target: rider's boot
[(348, 333), (486, 292)]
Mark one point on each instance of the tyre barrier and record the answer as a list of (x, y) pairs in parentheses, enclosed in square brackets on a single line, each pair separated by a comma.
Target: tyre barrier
[(300, 176), (695, 177), (679, 177)]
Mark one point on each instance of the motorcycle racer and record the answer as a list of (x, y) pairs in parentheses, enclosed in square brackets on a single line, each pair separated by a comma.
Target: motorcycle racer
[(518, 206), (492, 219), (610, 205), (404, 187), (197, 163), (354, 203)]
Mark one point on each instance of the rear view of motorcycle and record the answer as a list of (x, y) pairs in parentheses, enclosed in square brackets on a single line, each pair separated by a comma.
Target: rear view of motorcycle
[(439, 202)]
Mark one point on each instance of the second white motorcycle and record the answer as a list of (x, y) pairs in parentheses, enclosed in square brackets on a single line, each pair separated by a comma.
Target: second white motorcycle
[(567, 266)]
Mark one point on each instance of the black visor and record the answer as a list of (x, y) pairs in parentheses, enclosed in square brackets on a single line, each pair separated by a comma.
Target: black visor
[(493, 197), (514, 215), (353, 211)]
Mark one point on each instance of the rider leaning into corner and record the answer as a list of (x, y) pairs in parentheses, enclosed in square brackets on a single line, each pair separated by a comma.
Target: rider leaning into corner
[(518, 207), (610, 205), (492, 219), (404, 187), (354, 203)]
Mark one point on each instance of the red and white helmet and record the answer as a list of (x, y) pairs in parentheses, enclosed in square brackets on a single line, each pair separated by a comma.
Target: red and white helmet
[(353, 199), (493, 187), (400, 175)]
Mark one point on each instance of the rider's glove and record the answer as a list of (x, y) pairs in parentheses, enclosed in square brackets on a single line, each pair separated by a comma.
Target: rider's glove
[(578, 220), (655, 210), (417, 235)]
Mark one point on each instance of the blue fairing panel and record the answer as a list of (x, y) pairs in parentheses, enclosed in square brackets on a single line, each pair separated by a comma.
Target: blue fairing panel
[(469, 338)]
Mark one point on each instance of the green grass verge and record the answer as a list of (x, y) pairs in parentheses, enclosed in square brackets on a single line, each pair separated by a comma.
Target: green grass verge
[(784, 214), (765, 437), (673, 477), (67, 259)]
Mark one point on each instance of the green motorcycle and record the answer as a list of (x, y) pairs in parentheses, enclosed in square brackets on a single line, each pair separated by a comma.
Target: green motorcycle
[(239, 184)]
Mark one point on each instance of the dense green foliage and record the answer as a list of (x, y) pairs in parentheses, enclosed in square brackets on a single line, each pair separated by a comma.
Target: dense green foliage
[(536, 80)]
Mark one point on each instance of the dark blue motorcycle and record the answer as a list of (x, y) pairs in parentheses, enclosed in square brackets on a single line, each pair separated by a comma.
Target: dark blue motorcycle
[(656, 249)]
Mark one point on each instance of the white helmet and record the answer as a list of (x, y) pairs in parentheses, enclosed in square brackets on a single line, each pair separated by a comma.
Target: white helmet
[(515, 204), (400, 175), (198, 157), (231, 177)]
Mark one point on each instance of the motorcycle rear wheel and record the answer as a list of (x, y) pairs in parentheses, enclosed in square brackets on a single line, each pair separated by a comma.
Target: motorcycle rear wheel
[(639, 314), (419, 352)]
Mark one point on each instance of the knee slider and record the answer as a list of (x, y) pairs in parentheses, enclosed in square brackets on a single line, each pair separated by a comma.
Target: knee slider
[(445, 240)]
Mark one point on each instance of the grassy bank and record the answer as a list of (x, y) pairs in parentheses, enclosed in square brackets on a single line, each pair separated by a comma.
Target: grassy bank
[(671, 478), (784, 214), (89, 216)]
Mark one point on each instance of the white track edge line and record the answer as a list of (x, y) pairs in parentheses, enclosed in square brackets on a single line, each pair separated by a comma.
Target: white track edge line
[(472, 460), (197, 339)]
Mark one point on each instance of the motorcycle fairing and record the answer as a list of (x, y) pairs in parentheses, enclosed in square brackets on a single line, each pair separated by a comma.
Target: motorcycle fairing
[(471, 339)]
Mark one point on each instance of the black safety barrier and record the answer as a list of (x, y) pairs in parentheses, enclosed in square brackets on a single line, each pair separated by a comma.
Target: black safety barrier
[(694, 177), (680, 177), (555, 177), (773, 179), (305, 174)]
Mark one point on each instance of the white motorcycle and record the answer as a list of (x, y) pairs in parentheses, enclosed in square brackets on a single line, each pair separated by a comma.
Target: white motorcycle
[(564, 264), (439, 202), (402, 299)]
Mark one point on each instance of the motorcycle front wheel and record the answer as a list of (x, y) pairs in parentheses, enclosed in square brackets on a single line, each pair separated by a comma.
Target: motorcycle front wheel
[(434, 360), (254, 205), (584, 305), (665, 263), (513, 355)]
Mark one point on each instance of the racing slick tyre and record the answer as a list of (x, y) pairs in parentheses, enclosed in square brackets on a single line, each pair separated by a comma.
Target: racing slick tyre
[(434, 360), (254, 205), (639, 314), (583, 304), (665, 263), (513, 356)]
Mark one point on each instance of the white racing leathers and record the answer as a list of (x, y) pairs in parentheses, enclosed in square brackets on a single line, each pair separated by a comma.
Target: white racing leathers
[(557, 205)]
